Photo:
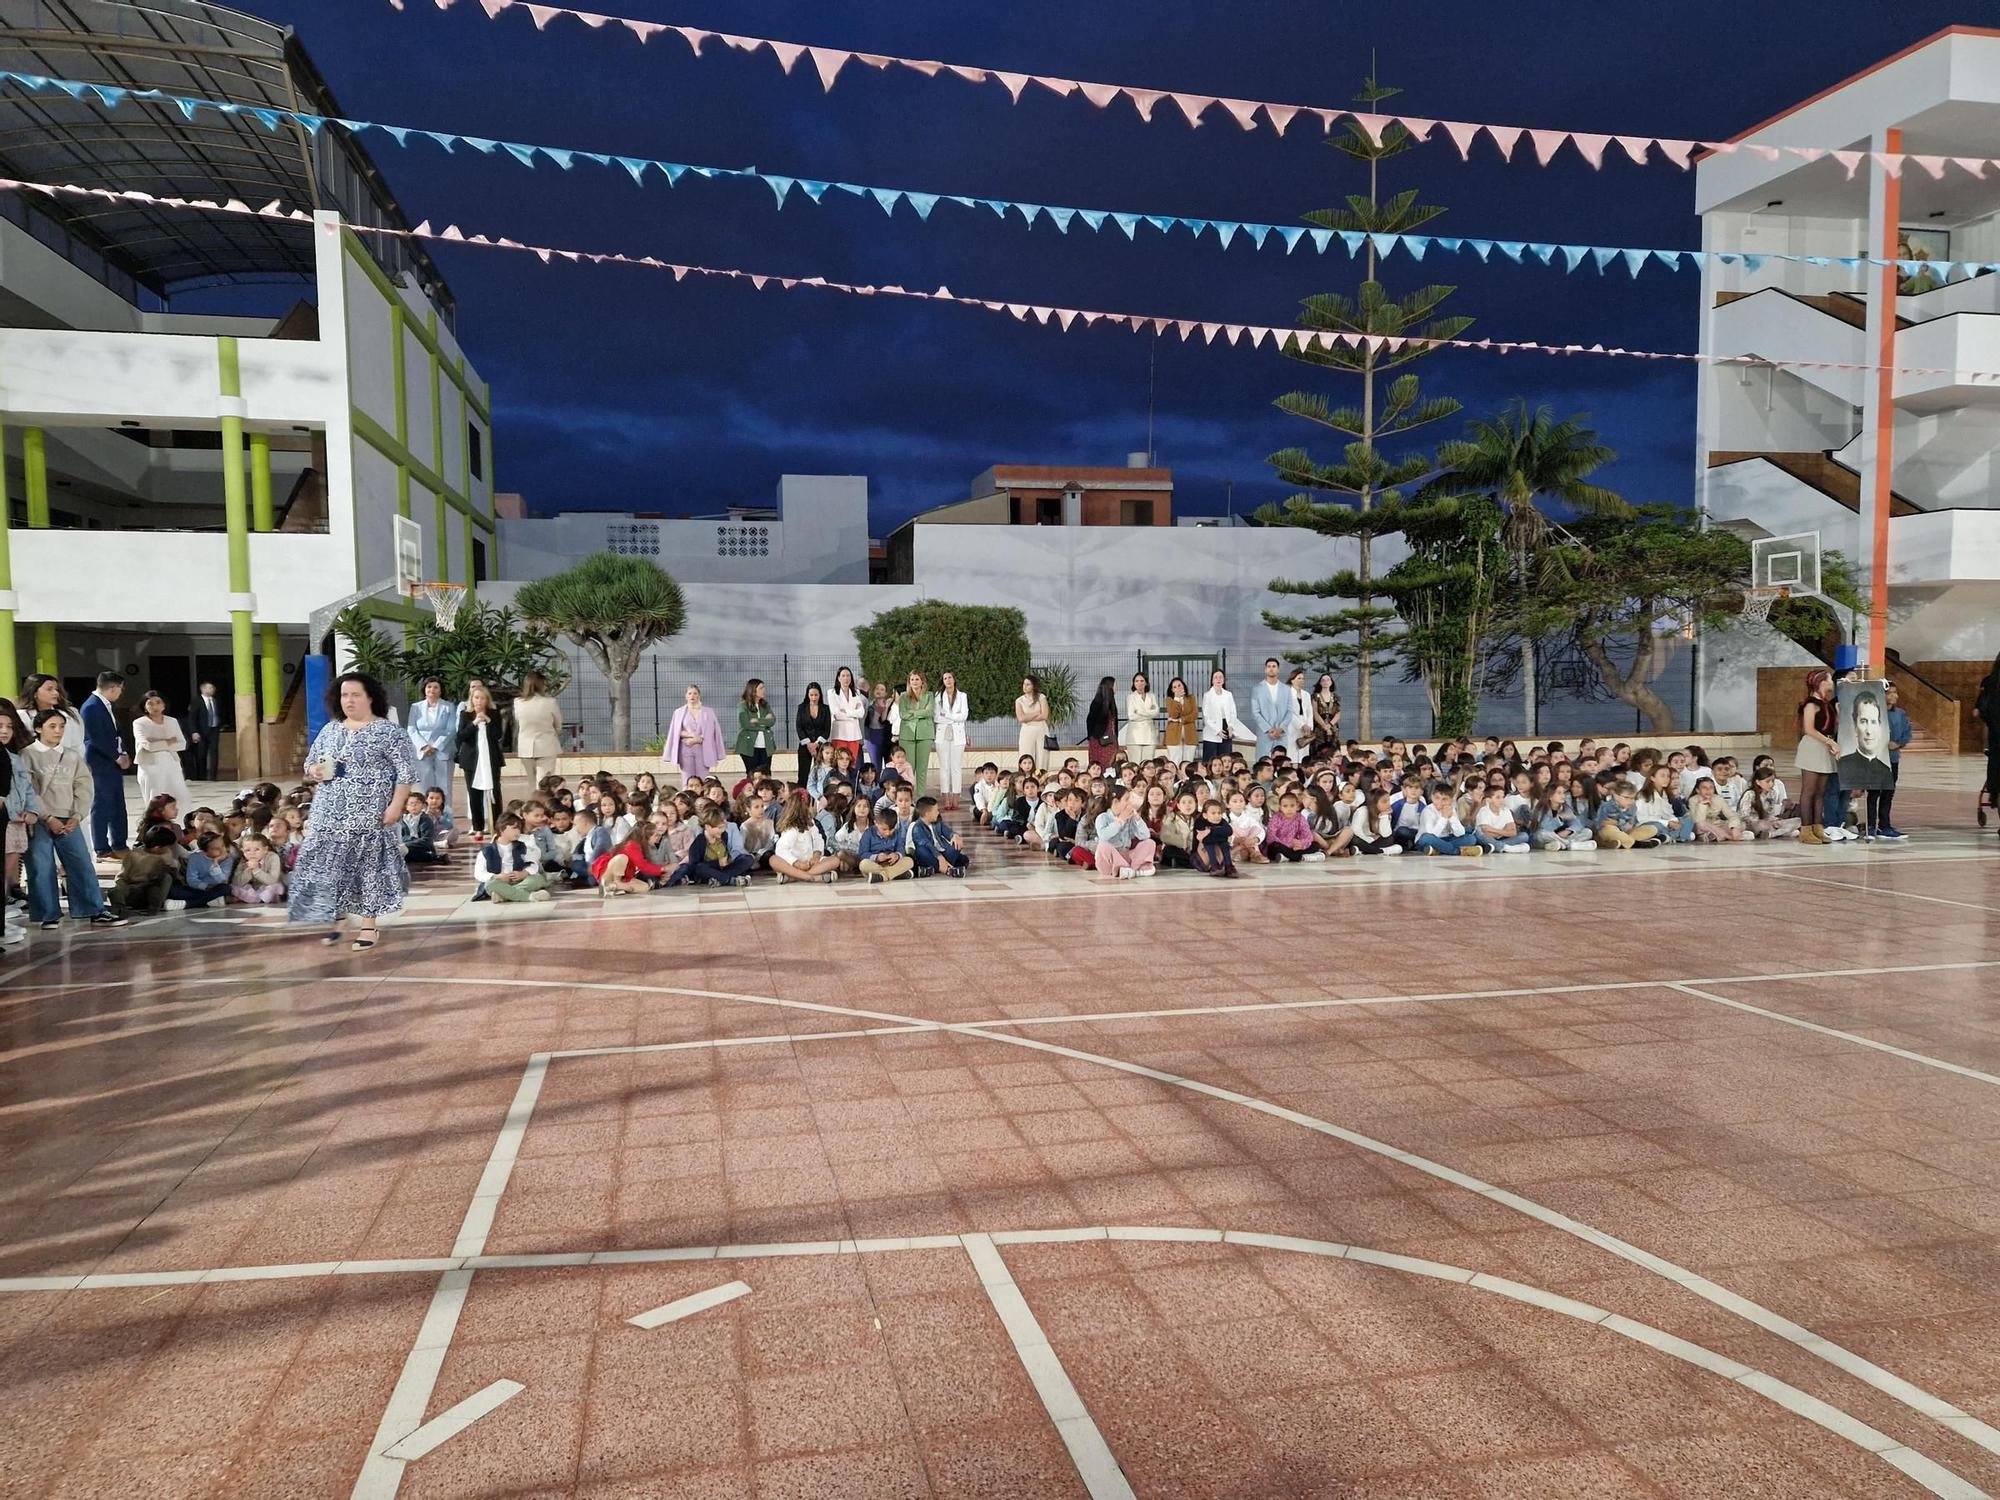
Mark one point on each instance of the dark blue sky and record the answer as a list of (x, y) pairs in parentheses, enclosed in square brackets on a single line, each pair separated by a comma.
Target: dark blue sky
[(619, 389)]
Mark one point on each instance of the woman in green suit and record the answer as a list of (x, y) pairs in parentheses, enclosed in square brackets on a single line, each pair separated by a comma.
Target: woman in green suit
[(756, 728), (916, 729)]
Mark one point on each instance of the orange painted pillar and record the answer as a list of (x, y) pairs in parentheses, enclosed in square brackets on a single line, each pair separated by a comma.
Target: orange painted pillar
[(1888, 237)]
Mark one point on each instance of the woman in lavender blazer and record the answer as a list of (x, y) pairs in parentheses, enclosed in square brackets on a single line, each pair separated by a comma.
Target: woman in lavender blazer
[(694, 738)]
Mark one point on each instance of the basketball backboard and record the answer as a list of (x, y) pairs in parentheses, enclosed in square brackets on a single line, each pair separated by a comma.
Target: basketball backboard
[(1789, 562), (409, 555)]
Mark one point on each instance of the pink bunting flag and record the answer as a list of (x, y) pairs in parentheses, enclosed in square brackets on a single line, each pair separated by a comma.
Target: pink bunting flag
[(1931, 164), (874, 60), (1209, 331), (970, 75), (645, 31), (1243, 111), (1506, 137), (757, 282), (1636, 147), (1014, 82), (1974, 164), (1280, 115), (829, 63), (1547, 143), (788, 53), (923, 66), (694, 36), (1066, 316), (1591, 147), (1144, 100), (591, 19), (1062, 88), (1185, 328), (1676, 152), (1099, 94), (1420, 130), (740, 43), (1888, 161), (494, 7), (543, 14), (1374, 125), (1192, 105), (1462, 136), (1850, 160), (1769, 153)]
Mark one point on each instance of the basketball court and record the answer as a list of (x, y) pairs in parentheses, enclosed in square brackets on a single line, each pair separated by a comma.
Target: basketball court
[(1641, 1175)]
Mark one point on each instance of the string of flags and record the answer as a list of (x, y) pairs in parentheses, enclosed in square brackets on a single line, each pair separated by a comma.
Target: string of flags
[(1066, 319), (645, 170), (830, 62)]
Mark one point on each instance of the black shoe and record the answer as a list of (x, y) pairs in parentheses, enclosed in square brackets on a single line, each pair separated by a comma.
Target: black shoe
[(482, 896), (109, 919), (52, 924)]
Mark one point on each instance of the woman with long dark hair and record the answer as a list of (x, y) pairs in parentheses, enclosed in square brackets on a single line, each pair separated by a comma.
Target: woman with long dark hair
[(756, 727), (41, 692), (361, 768), (1818, 752), (1100, 723), (814, 722), (849, 706)]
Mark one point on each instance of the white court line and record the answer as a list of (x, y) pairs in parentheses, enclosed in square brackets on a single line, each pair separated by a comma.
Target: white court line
[(687, 1307), (1095, 1463), (1932, 1476), (1842, 1358), (381, 1475), (449, 1423), (1845, 1036), (1882, 890)]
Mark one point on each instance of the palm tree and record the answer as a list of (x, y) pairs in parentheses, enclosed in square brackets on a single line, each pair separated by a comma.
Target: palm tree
[(1520, 458), (614, 607)]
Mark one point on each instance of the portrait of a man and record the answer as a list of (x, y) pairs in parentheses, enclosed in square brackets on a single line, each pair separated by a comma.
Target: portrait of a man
[(1864, 738)]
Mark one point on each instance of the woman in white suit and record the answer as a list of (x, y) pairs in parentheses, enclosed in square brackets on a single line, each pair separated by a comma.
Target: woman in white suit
[(157, 743), (954, 709), (537, 729), (1299, 732), (1142, 711)]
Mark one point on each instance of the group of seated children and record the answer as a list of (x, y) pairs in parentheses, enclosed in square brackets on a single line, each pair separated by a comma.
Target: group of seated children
[(622, 841), (1125, 819), (243, 855)]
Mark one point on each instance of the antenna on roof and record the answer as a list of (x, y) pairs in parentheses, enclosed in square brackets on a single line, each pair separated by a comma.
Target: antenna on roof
[(1152, 358)]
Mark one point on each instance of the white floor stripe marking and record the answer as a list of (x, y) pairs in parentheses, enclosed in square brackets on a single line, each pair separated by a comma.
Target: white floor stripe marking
[(1881, 890), (432, 1339), (381, 1475), (1095, 1463), (687, 1307), (500, 1164), (451, 1422), (1845, 1036)]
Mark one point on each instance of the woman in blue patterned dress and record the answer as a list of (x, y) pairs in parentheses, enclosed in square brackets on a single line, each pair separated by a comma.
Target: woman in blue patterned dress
[(361, 767)]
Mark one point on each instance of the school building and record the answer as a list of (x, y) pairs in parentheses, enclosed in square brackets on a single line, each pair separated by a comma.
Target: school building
[(212, 421)]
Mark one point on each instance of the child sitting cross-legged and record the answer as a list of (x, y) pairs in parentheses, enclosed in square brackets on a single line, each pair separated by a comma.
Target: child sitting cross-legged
[(1177, 831), (510, 867), (1715, 821), (1440, 831), (932, 843), (716, 855), (800, 853), (1290, 836), (260, 874), (147, 876), (209, 867), (1214, 841), (1618, 825), (1494, 825), (1763, 809), (1560, 823), (1124, 852), (418, 833), (881, 849)]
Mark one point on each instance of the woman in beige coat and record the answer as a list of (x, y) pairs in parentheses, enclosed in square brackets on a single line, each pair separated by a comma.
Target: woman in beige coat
[(537, 730)]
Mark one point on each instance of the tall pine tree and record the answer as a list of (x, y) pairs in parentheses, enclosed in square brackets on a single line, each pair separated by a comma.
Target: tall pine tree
[(1361, 494)]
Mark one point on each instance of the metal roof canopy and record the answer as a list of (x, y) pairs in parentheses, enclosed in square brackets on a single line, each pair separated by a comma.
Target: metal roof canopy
[(199, 50)]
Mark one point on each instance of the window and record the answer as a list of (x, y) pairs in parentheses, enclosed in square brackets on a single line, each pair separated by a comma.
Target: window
[(1135, 513), (476, 453), (1048, 512), (633, 538), (478, 561), (742, 541)]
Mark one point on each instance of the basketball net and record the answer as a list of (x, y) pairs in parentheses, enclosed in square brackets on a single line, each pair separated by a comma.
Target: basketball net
[(1757, 602), (443, 598)]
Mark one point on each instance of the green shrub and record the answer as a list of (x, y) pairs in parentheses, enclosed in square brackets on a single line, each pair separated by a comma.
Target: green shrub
[(985, 646)]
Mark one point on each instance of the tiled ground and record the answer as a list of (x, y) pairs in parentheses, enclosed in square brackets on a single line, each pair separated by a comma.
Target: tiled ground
[(1748, 1099)]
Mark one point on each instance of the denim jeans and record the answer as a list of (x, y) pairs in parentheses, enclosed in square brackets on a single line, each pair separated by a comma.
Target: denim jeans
[(86, 897), (1443, 843)]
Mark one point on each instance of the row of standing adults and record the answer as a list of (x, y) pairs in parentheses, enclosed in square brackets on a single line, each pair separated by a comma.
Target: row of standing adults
[(1282, 714)]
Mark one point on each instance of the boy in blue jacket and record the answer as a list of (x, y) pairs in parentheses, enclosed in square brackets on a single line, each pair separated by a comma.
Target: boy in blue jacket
[(932, 843)]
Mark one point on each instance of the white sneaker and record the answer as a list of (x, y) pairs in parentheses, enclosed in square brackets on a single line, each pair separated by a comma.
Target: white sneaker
[(172, 905), (1149, 871), (1837, 835), (10, 935), (540, 896), (1393, 849), (1749, 835), (783, 878), (1126, 872), (1513, 848), (1314, 858), (1583, 846)]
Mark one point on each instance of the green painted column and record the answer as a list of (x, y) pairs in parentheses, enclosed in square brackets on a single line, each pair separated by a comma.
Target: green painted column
[(263, 517), (10, 669), (35, 467), (236, 513)]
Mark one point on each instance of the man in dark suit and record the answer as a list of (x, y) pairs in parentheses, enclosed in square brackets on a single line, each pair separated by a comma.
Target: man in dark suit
[(204, 735), (105, 754)]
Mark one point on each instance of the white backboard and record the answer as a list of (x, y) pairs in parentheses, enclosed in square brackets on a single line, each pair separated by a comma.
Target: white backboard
[(1787, 562), (409, 555)]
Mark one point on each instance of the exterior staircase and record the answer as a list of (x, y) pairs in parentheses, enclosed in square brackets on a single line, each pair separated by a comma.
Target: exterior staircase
[(1845, 306), (1822, 472)]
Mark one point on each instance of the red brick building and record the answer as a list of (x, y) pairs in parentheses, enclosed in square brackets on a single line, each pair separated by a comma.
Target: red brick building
[(1048, 495)]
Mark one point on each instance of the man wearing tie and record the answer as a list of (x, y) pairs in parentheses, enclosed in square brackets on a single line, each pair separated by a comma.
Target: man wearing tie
[(204, 735), (1270, 709), (105, 755)]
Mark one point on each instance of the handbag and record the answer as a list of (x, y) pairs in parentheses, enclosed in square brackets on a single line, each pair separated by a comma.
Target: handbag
[(1050, 742)]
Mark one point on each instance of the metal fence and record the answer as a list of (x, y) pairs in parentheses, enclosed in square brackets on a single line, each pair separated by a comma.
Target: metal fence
[(1401, 708)]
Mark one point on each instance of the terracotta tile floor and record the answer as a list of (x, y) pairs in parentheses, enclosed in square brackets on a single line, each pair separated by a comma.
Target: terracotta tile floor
[(1719, 1135)]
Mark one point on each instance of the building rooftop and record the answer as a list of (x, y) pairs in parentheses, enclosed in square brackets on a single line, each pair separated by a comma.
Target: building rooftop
[(196, 50)]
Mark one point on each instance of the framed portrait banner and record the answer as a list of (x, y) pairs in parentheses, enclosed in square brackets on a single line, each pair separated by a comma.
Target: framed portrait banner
[(1864, 737)]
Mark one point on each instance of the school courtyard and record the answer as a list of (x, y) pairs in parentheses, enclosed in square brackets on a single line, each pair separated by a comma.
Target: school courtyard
[(1667, 1174)]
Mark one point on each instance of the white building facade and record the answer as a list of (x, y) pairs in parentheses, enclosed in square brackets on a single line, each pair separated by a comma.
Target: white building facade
[(1786, 449)]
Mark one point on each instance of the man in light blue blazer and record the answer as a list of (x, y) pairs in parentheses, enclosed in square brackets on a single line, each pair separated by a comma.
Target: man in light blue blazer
[(1270, 709)]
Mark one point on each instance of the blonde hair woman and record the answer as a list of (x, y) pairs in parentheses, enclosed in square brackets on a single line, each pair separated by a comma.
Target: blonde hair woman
[(480, 755), (537, 729)]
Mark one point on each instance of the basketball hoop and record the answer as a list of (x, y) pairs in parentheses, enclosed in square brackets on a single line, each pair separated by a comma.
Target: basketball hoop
[(1757, 602), (443, 598)]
